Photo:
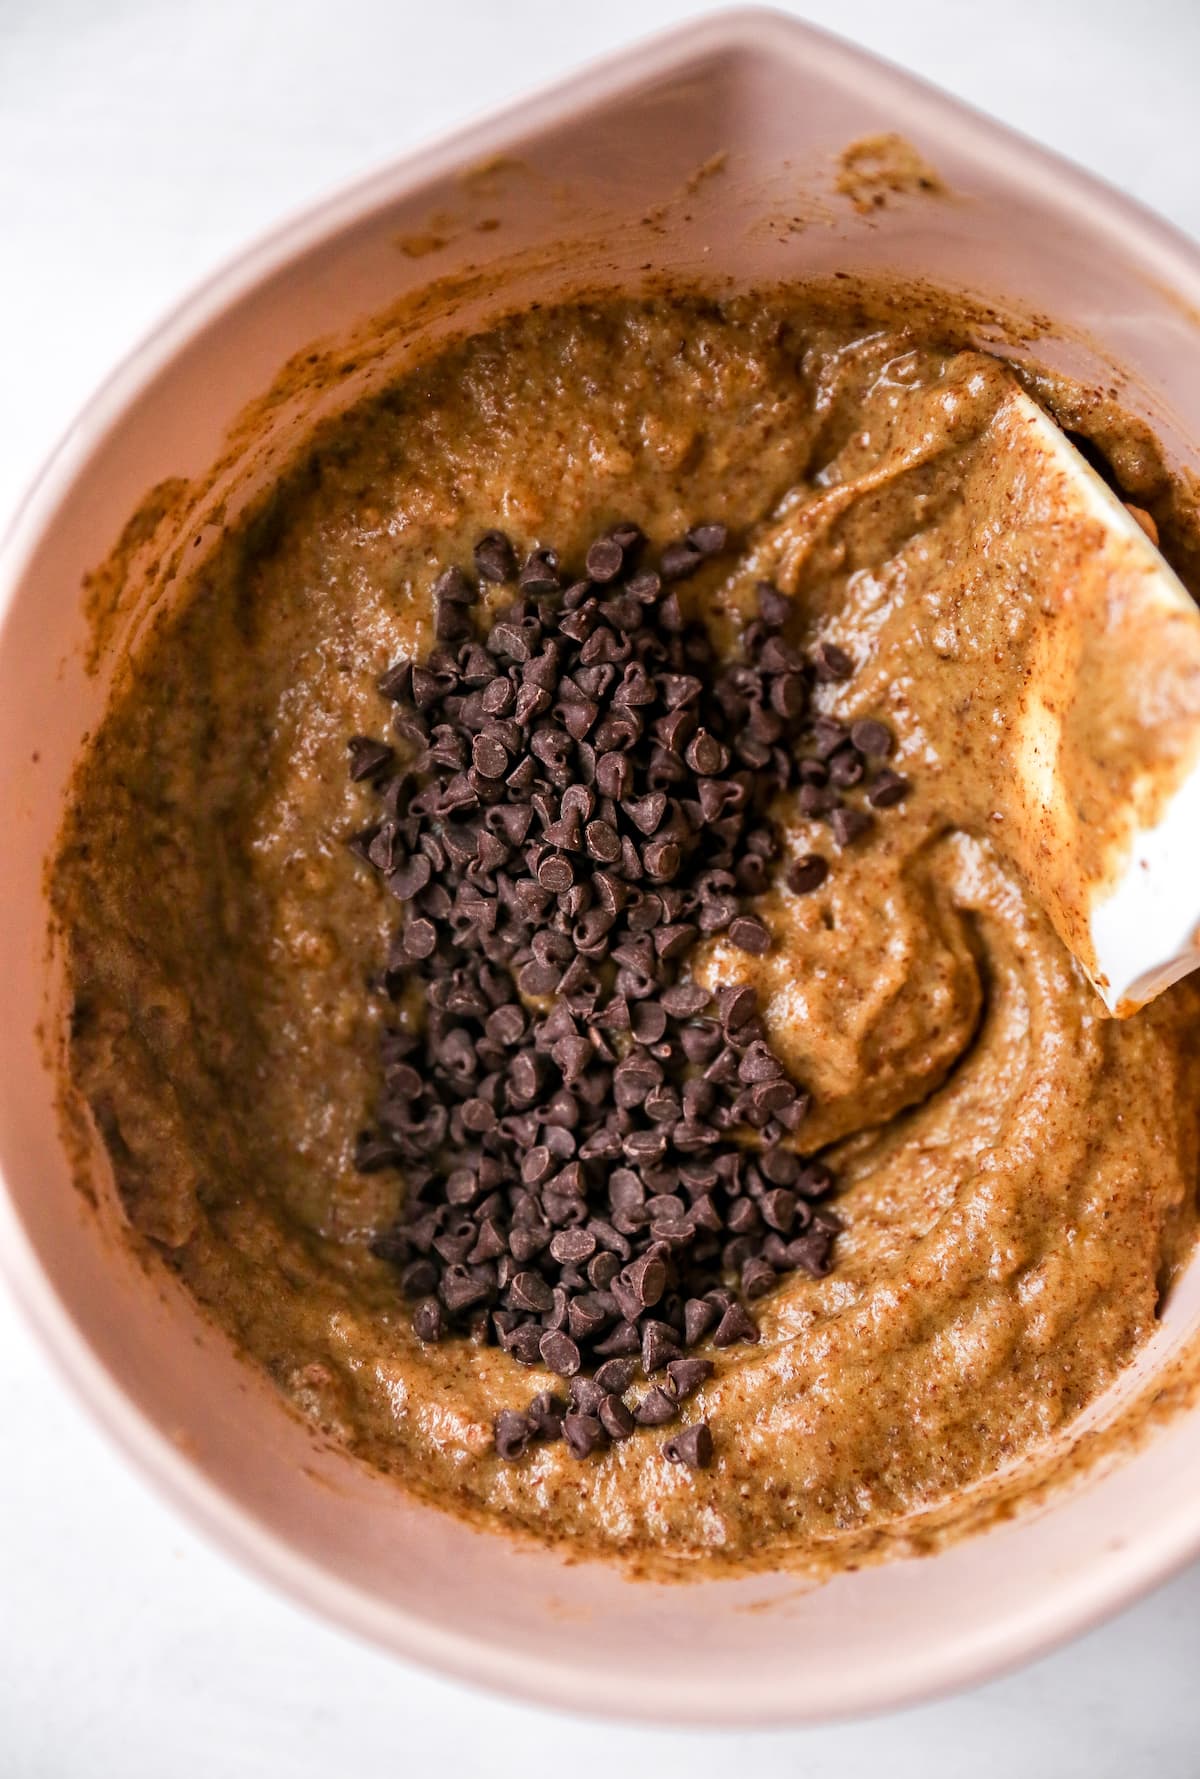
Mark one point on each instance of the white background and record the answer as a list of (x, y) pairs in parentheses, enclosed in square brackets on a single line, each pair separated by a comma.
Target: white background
[(140, 141)]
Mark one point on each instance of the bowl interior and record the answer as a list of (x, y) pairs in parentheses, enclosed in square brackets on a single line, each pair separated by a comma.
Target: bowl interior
[(713, 155)]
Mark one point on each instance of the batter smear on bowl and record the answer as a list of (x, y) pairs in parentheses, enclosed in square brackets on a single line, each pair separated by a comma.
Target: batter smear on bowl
[(682, 905)]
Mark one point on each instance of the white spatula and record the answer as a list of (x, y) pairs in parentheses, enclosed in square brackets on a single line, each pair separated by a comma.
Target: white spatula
[(1139, 892)]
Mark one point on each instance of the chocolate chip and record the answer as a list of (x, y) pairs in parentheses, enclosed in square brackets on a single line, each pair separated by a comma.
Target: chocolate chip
[(420, 938), (849, 825), (620, 1341), (679, 561), (512, 1432), (546, 1413), (845, 768), (573, 1245), (774, 607), (603, 842), (605, 559), (583, 1433), (615, 1376), (368, 758), (585, 791), (640, 1285), (691, 1446), (684, 999), (524, 1343), (705, 754), (429, 1323), (489, 756), (529, 1291), (735, 1325), (886, 789), (699, 1316), (830, 662), (539, 573), (685, 1376), (808, 873), (737, 1006), (759, 1063), (710, 540), (757, 1278), (655, 1409), (616, 1420), (556, 874), (494, 557), (659, 1346), (748, 933), (586, 1396), (559, 1353), (871, 738)]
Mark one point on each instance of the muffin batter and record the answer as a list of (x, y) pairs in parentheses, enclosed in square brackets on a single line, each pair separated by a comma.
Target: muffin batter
[(1018, 1171)]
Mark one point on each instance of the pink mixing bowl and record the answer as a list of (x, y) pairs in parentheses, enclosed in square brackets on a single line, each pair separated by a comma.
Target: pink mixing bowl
[(712, 153)]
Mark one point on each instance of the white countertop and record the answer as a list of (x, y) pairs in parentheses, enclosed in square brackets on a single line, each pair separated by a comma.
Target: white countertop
[(140, 141)]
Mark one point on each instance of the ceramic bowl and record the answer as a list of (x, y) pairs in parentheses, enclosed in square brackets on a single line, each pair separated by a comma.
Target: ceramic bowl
[(712, 153)]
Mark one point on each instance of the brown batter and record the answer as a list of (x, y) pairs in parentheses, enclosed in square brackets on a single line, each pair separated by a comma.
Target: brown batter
[(1019, 1170)]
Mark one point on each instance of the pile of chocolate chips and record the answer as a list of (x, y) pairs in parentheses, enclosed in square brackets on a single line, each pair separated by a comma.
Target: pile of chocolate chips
[(595, 1151)]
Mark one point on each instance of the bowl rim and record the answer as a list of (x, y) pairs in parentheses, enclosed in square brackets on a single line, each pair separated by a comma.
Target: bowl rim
[(1149, 1554)]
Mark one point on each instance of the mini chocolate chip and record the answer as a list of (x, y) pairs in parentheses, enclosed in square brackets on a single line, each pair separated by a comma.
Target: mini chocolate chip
[(748, 933), (887, 788), (735, 1325), (685, 1376), (512, 1432), (849, 825), (705, 754), (758, 1277), (529, 1291), (737, 1006), (646, 1278), (603, 842), (616, 1420), (539, 573), (586, 1395), (462, 1288), (583, 1434), (490, 756), (648, 1022), (368, 758), (759, 1063), (619, 1342), (870, 737), (774, 607), (429, 1323), (845, 768), (830, 662), (494, 557), (524, 1343), (573, 1245), (808, 873), (692, 1446), (546, 1413), (655, 1409), (659, 1345), (556, 874), (605, 559), (420, 937), (615, 1375), (559, 1353), (699, 1317), (679, 561), (603, 1267), (710, 540)]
